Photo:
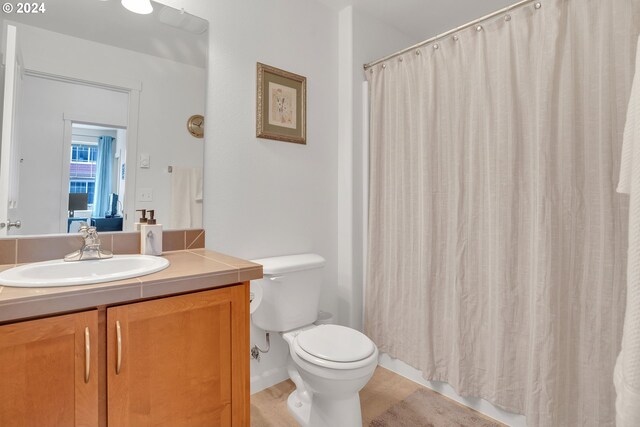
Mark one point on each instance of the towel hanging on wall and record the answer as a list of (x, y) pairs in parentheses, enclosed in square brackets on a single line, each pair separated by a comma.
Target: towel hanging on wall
[(186, 198)]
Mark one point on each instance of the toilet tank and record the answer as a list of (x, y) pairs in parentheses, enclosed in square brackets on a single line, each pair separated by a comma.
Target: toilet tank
[(290, 292)]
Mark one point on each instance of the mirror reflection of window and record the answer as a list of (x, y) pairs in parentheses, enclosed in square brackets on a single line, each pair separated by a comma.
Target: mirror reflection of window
[(87, 167), (81, 153), (82, 172)]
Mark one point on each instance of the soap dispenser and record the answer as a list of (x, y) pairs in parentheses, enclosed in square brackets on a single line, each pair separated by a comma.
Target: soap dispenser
[(142, 220), (151, 236)]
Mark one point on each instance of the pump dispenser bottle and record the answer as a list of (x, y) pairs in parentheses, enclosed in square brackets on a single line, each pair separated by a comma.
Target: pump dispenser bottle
[(151, 236), (142, 220)]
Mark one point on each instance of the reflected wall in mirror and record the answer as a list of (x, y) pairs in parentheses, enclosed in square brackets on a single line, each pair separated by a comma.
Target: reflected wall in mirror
[(94, 112)]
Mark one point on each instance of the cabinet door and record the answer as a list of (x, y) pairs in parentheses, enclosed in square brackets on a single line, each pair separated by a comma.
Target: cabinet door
[(49, 372), (180, 361)]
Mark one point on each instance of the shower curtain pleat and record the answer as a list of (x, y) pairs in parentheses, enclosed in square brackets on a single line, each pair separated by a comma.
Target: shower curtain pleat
[(497, 243)]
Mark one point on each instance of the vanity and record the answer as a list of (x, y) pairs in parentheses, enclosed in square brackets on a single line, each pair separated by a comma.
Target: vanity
[(170, 348)]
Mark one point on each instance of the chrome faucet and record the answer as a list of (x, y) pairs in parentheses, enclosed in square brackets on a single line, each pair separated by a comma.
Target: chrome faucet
[(90, 246)]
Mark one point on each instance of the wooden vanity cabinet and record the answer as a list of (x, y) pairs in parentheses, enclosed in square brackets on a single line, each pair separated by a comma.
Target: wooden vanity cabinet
[(174, 361), (49, 371), (181, 361)]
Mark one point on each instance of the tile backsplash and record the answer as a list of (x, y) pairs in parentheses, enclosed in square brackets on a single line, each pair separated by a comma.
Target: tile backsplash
[(43, 248)]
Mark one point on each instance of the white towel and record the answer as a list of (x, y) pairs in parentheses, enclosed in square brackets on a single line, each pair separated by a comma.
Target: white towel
[(186, 198), (627, 371)]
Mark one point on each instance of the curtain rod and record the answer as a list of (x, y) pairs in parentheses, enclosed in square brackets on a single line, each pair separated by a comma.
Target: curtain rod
[(84, 135), (454, 30)]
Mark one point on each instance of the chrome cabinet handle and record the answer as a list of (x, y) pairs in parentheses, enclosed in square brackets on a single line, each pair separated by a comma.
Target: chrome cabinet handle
[(119, 339), (87, 354)]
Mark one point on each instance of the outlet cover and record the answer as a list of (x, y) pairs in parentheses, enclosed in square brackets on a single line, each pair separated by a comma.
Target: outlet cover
[(145, 195)]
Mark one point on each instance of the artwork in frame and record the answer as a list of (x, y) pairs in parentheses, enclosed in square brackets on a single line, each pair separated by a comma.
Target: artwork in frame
[(281, 110)]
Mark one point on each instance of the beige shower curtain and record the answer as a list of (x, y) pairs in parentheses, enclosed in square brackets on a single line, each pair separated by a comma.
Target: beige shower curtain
[(497, 241)]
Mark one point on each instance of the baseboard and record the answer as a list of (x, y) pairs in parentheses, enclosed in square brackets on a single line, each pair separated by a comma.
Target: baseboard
[(268, 379), (480, 405)]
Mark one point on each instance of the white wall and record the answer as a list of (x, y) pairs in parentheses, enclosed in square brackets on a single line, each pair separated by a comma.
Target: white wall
[(171, 93)]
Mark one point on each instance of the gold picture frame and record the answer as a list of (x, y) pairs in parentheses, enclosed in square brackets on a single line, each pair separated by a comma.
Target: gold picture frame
[(281, 105)]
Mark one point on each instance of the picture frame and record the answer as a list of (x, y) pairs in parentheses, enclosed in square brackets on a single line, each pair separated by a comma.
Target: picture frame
[(281, 105)]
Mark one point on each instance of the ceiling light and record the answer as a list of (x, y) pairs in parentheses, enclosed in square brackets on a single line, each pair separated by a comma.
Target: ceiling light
[(142, 7)]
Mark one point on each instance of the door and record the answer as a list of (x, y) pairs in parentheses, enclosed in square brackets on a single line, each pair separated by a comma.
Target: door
[(9, 156), (180, 361), (49, 372)]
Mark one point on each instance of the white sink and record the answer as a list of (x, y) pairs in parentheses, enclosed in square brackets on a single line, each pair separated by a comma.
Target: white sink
[(62, 273)]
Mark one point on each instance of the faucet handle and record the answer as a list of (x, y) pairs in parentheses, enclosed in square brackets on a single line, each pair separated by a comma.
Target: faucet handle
[(88, 233), (92, 235)]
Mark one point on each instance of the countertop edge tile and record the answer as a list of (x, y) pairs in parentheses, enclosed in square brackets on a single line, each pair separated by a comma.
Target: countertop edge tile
[(169, 287), (66, 291), (247, 274), (61, 303)]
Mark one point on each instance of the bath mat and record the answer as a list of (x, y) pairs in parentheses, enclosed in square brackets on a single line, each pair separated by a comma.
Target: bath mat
[(429, 409)]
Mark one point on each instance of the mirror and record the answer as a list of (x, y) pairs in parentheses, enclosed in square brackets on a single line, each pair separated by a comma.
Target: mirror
[(95, 104)]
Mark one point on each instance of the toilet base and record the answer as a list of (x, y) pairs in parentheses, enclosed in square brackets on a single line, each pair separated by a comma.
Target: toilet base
[(298, 409), (326, 412)]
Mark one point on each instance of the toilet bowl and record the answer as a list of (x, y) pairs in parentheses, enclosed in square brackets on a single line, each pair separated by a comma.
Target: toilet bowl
[(329, 364), (333, 363)]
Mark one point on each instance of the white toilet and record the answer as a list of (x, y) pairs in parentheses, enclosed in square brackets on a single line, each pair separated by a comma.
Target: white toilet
[(329, 364)]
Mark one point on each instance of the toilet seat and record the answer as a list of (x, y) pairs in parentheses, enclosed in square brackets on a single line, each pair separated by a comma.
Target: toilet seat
[(334, 346)]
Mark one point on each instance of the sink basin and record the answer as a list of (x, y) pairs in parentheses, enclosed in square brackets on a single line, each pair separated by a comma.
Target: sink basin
[(61, 273)]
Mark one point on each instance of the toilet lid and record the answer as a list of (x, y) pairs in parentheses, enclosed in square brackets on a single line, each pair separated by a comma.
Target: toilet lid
[(336, 343)]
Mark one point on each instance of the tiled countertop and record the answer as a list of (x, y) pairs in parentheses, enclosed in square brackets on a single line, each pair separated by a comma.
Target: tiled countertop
[(190, 270)]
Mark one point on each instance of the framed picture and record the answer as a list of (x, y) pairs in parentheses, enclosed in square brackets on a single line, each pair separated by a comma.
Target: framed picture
[(281, 110)]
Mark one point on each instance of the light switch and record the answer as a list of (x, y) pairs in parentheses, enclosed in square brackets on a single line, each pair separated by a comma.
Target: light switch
[(145, 195), (145, 160)]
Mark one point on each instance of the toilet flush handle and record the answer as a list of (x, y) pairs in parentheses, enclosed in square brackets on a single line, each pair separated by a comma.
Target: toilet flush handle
[(276, 278)]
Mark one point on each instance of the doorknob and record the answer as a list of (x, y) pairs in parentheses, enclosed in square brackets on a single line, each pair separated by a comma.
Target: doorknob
[(10, 224)]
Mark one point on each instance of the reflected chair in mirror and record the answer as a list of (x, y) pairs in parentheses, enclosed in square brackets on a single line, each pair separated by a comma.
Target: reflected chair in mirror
[(77, 202)]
